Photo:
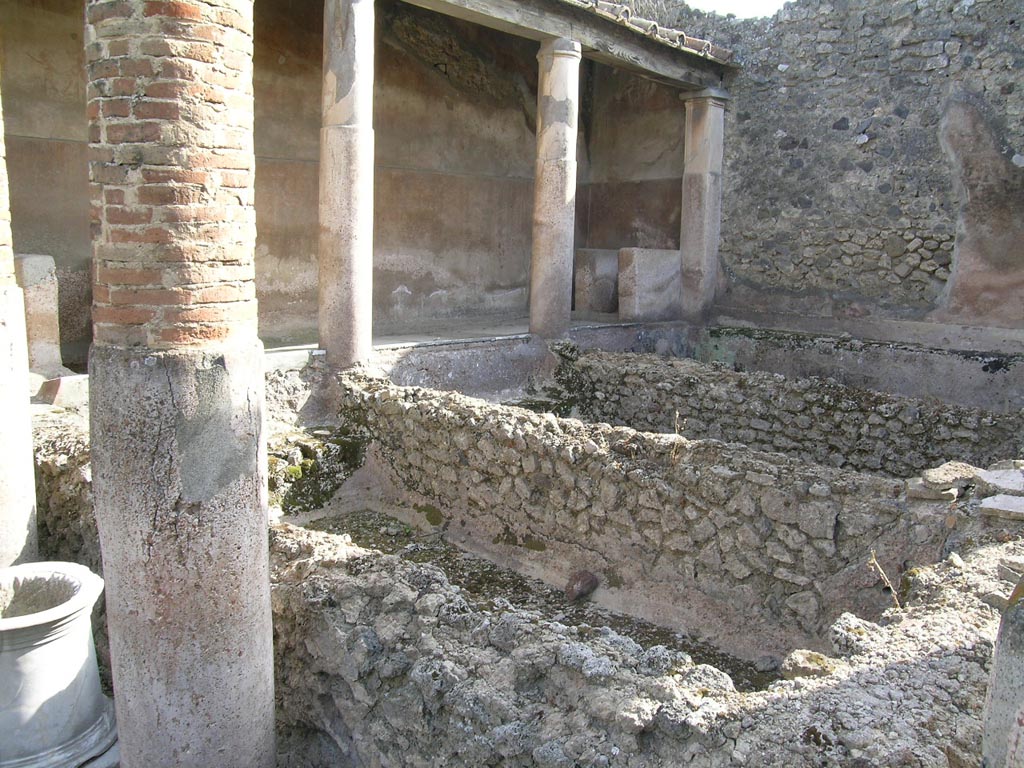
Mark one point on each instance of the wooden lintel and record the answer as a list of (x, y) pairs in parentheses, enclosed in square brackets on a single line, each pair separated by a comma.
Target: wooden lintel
[(602, 39)]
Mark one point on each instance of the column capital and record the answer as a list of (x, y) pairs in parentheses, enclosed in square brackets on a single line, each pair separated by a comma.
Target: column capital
[(715, 95), (560, 46)]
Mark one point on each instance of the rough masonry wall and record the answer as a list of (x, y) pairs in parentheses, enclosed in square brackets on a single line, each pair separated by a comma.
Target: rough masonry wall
[(384, 659), (873, 159), (677, 529), (811, 419)]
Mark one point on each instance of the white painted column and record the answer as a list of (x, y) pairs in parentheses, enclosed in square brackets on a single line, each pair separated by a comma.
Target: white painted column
[(346, 183), (17, 481), (701, 219), (554, 196)]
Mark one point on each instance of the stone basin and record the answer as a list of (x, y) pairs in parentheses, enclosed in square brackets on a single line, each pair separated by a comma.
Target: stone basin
[(52, 709)]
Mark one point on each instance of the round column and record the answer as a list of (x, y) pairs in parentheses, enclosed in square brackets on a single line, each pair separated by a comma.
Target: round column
[(346, 183), (18, 538), (554, 197), (1003, 716), (176, 382), (701, 222)]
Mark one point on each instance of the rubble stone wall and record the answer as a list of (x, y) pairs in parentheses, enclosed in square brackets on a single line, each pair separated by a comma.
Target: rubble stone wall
[(812, 419), (867, 143), (677, 530)]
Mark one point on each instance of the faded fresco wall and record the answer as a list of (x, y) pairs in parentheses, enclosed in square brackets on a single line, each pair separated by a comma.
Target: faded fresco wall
[(629, 192), (455, 111), (42, 64), (873, 159), (454, 126)]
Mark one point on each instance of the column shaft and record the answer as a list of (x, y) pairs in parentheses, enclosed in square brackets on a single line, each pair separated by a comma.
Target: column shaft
[(346, 183), (1003, 717), (702, 201), (554, 197), (18, 538), (176, 383)]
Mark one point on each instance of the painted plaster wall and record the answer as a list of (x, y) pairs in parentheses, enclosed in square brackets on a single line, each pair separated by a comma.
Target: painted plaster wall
[(43, 85), (453, 118), (873, 160), (455, 112), (630, 188), (455, 134)]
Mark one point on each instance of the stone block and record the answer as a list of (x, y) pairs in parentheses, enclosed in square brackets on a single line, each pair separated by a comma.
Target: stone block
[(596, 280), (1000, 481), (64, 391), (37, 276), (916, 489), (650, 285), (1003, 506)]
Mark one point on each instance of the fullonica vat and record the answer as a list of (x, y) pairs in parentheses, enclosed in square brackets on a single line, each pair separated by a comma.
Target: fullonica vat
[(52, 710)]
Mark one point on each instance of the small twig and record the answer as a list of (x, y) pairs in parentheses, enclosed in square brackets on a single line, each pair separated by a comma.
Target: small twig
[(675, 445), (873, 563)]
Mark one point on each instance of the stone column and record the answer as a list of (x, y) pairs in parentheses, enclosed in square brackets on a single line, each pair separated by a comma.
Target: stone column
[(1003, 735), (176, 395), (17, 479), (346, 183), (701, 219), (554, 195)]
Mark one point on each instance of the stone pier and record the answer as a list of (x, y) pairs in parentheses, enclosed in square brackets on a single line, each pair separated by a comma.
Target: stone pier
[(346, 183), (554, 197), (178, 451), (17, 484), (1003, 739), (701, 221)]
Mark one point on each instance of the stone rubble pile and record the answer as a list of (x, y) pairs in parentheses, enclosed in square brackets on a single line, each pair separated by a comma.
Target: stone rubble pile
[(388, 664)]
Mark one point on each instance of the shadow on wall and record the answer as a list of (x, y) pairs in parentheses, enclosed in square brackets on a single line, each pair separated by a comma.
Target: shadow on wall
[(987, 283)]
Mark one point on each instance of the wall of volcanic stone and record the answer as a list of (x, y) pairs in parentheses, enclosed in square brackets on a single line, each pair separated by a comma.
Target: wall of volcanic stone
[(874, 155)]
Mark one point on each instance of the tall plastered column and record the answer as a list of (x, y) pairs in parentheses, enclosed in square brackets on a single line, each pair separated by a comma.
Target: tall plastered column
[(176, 388), (554, 195), (701, 220), (346, 183), (17, 482)]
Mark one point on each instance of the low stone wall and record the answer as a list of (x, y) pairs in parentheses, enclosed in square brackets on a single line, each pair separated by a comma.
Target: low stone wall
[(697, 532), (815, 420), (929, 367)]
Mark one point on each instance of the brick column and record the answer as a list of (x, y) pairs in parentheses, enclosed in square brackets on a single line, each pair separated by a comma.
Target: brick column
[(346, 183), (17, 480), (701, 224), (176, 382), (554, 195)]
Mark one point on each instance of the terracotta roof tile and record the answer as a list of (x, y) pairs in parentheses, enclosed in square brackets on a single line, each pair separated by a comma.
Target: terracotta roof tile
[(674, 38)]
